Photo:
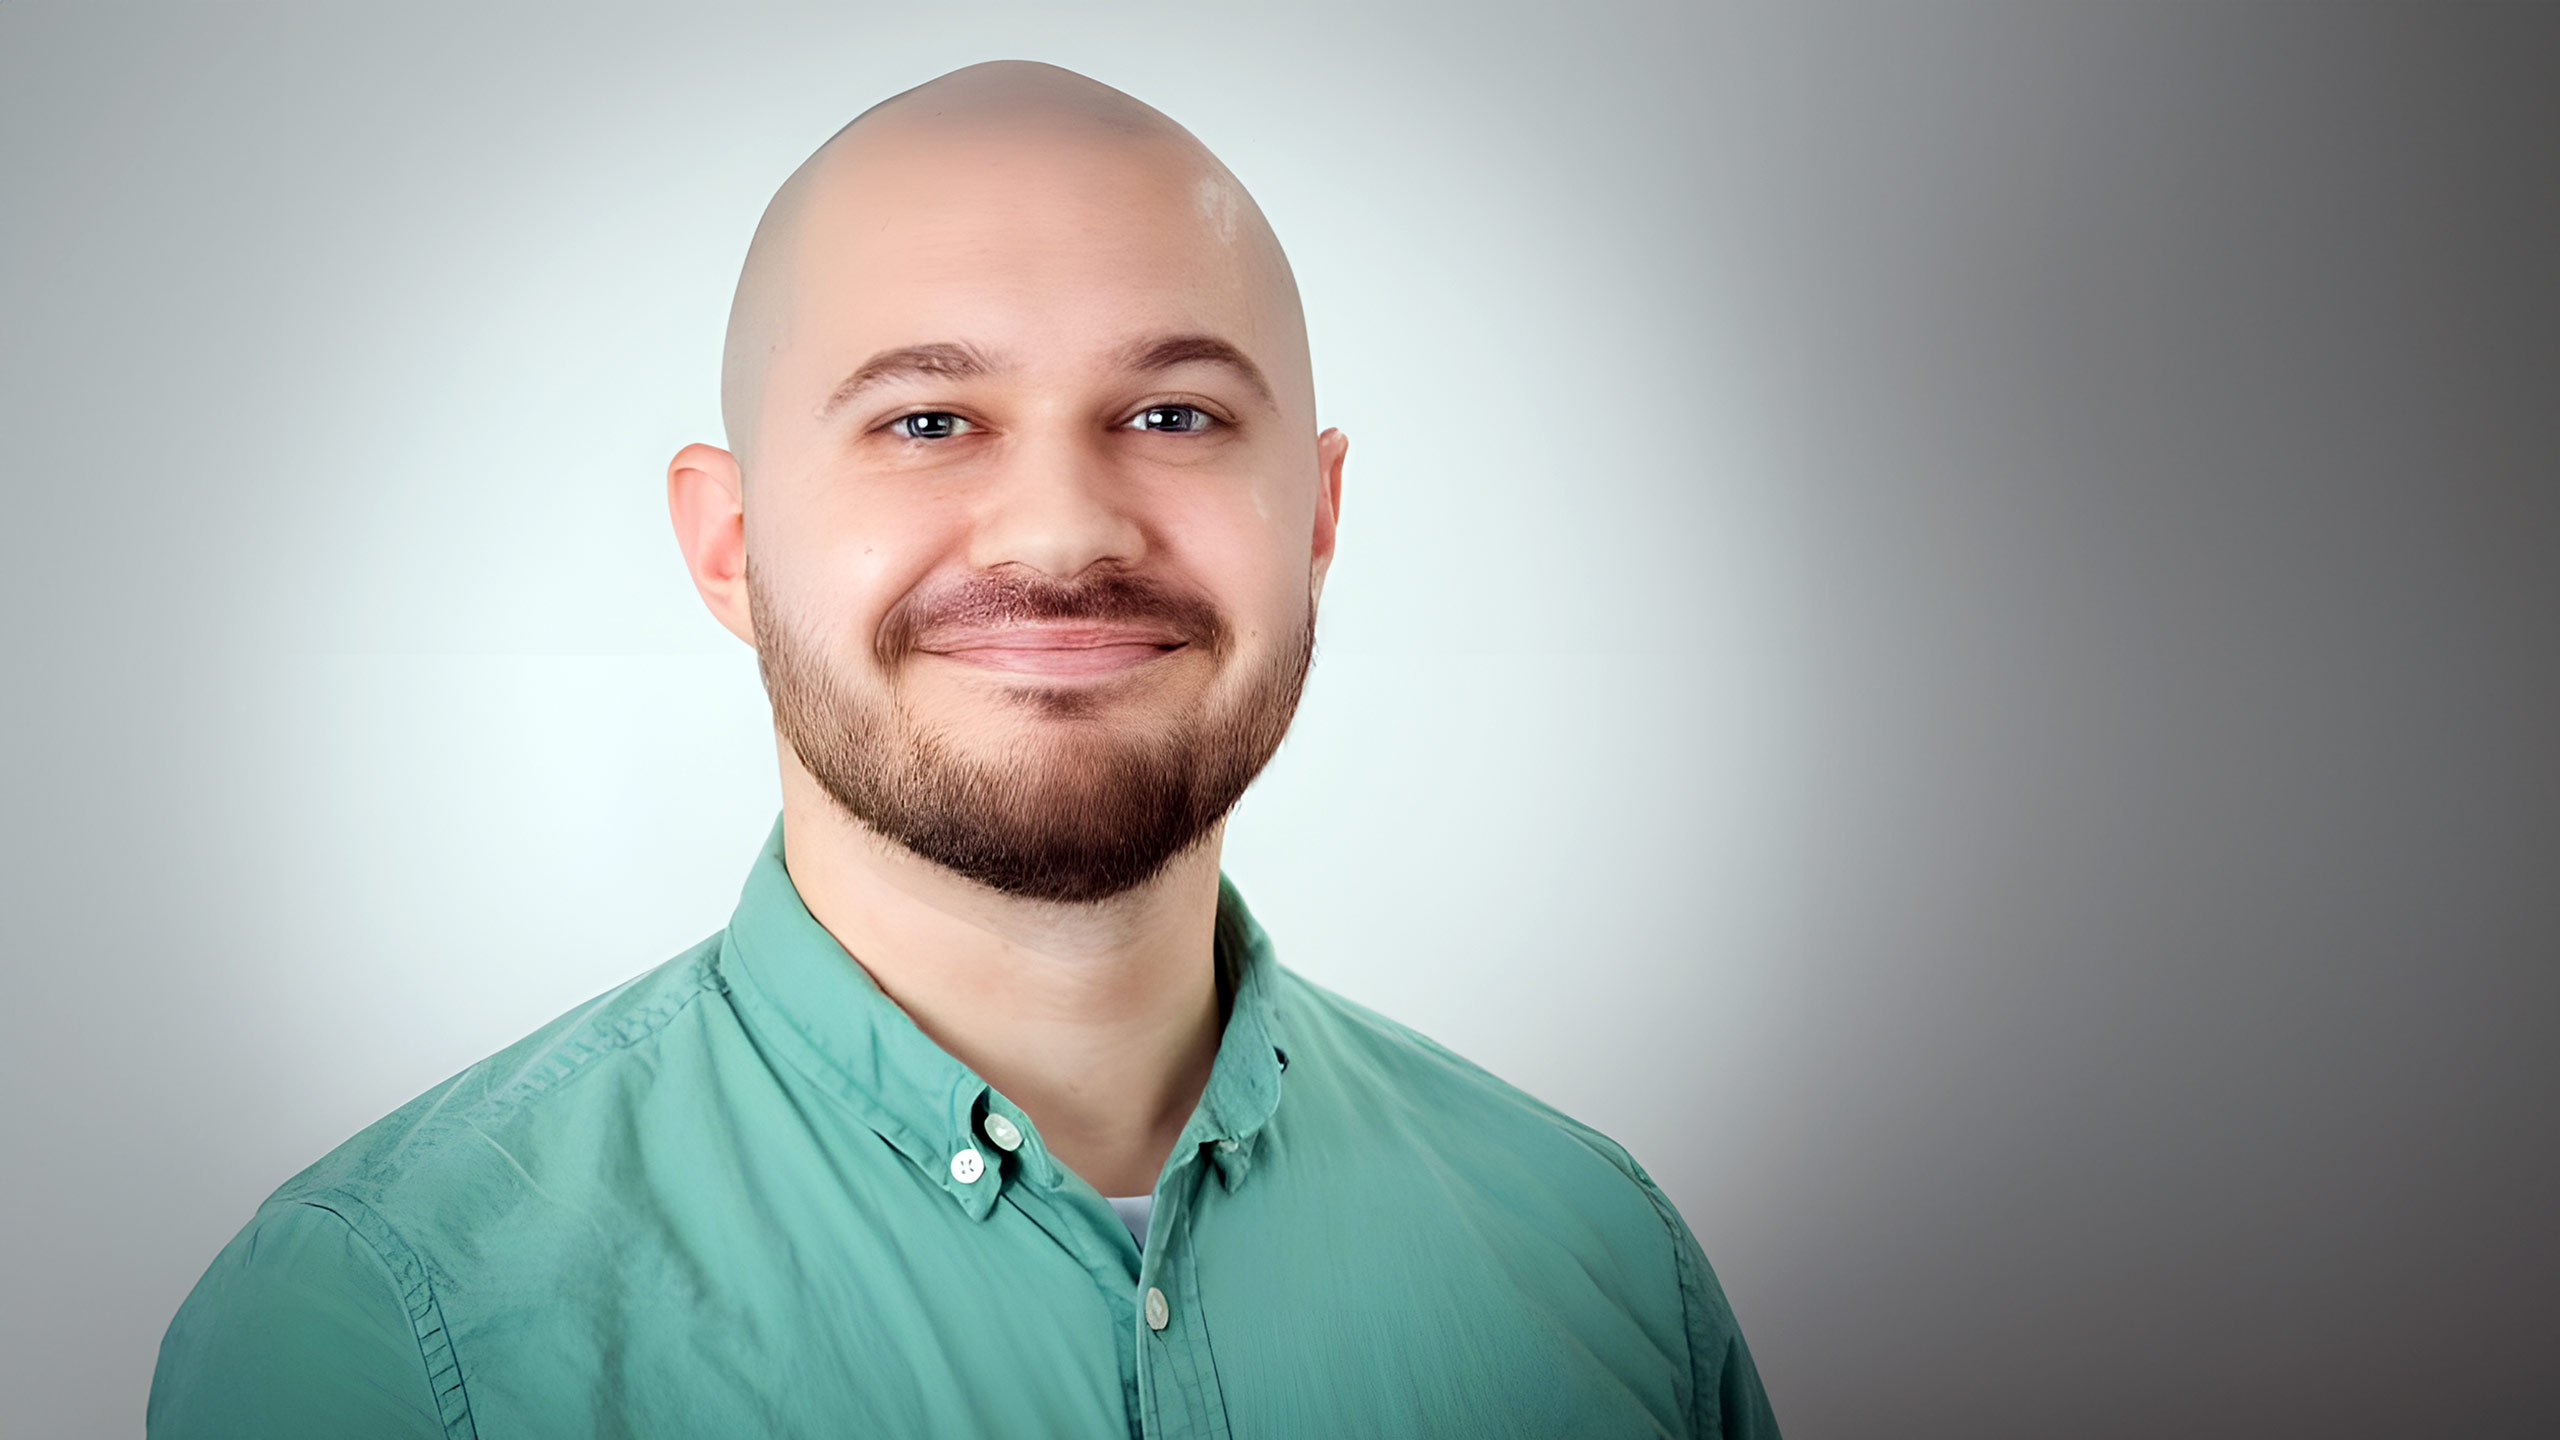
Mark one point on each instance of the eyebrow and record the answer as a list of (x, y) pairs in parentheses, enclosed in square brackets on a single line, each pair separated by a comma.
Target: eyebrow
[(1173, 350), (945, 359), (952, 360)]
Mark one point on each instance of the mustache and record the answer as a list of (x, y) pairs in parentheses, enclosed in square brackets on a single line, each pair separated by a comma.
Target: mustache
[(1011, 597)]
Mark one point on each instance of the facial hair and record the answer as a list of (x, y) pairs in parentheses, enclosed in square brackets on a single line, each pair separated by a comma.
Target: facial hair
[(1077, 817)]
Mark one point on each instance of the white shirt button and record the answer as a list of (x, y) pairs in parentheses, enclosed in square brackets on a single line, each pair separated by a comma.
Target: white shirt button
[(1159, 1314), (1004, 1132), (967, 1166)]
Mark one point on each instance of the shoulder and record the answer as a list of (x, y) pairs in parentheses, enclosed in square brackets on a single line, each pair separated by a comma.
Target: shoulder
[(549, 1074), (1580, 1189), (301, 1327), (325, 1315), (467, 1146), (1396, 1067), (332, 1291)]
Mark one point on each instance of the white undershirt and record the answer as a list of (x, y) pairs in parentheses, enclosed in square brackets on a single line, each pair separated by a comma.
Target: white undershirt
[(1133, 1211)]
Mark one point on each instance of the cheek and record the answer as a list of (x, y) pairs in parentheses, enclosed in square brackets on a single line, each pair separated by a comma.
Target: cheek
[(1254, 561), (838, 560)]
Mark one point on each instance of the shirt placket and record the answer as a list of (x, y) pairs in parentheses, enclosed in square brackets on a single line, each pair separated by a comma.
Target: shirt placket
[(1034, 1186), (1177, 1375)]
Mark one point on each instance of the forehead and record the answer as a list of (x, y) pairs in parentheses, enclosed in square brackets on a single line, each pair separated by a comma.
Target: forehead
[(1048, 244)]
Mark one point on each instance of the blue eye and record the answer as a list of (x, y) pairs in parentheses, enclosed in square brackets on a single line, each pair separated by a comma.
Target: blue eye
[(928, 425), (1173, 419)]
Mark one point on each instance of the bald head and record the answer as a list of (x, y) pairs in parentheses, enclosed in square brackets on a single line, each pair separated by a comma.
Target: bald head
[(1034, 175)]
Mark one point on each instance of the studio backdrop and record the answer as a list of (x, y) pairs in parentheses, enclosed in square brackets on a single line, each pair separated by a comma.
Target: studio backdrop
[(1948, 624)]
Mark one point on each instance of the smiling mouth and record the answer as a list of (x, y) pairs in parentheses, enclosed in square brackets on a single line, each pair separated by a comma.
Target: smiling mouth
[(1062, 652)]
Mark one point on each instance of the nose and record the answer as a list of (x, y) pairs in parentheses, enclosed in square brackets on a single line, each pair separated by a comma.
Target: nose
[(1055, 506)]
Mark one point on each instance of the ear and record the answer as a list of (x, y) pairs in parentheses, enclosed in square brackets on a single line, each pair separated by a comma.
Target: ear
[(706, 500), (1331, 446)]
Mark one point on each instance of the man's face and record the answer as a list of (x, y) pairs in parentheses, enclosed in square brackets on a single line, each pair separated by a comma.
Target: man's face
[(1036, 512)]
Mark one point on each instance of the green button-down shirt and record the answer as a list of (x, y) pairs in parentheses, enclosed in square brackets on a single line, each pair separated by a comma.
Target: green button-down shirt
[(743, 1195)]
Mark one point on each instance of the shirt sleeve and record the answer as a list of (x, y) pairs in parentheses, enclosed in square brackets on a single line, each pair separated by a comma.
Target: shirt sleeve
[(298, 1331), (1725, 1398)]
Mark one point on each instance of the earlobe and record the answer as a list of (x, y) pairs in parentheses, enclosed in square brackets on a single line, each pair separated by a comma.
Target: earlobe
[(706, 502)]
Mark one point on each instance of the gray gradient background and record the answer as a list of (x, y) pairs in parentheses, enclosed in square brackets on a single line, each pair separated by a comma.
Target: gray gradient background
[(1948, 623)]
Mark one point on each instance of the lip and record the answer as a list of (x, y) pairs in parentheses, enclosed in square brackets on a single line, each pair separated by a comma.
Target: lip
[(1058, 652)]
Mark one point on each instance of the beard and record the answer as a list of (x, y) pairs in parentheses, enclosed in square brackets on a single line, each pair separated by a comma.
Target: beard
[(1078, 815)]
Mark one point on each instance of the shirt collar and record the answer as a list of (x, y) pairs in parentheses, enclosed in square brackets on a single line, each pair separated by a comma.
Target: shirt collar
[(798, 989), (1244, 1080)]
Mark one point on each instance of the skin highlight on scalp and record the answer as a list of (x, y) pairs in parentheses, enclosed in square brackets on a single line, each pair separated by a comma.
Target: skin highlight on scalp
[(999, 103)]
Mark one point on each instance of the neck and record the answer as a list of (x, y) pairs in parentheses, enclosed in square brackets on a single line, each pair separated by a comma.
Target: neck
[(1100, 1020)]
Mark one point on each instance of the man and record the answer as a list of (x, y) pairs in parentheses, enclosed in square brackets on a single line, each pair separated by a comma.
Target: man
[(991, 1112)]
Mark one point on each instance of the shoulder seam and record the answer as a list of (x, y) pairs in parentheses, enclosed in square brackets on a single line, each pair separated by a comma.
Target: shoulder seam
[(418, 1297), (1692, 1295), (1391, 1028), (576, 1050)]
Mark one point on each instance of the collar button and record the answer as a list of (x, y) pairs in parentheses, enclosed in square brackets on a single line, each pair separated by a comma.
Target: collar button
[(1006, 1135)]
